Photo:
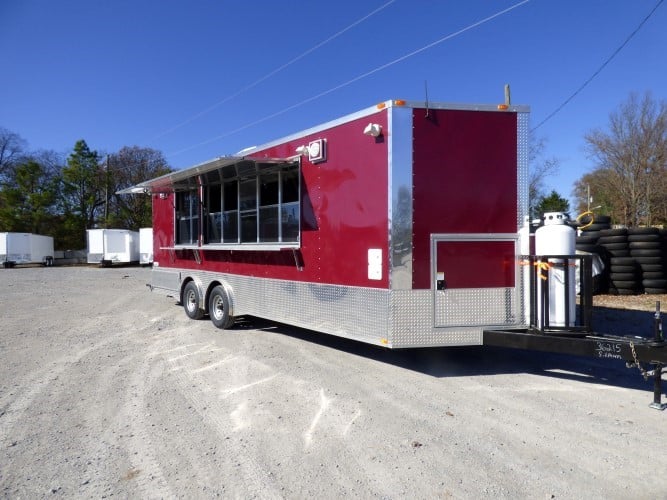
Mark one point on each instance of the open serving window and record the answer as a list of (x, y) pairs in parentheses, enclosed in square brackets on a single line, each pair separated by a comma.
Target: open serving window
[(234, 203)]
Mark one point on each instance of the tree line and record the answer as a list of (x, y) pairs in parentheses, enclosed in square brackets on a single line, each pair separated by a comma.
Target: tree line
[(43, 193), (629, 181), (628, 177), (40, 192)]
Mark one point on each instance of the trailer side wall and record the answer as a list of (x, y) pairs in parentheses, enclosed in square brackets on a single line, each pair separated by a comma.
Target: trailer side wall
[(438, 193), (344, 213)]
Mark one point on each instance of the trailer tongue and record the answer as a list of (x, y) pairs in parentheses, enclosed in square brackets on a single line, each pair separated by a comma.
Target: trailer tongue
[(578, 338), (633, 350)]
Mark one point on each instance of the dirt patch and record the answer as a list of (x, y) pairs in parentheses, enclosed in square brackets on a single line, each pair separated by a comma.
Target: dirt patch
[(635, 302)]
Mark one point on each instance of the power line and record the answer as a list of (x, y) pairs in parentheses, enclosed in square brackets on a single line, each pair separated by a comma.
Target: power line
[(353, 80), (273, 72), (599, 70)]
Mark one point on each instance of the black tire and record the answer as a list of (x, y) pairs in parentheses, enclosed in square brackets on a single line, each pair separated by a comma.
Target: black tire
[(623, 269), (599, 219), (622, 261), (644, 245), (615, 269), (585, 239), (614, 246), (655, 283), (644, 237), (613, 232), (643, 230), (655, 291), (623, 277), (643, 260), (652, 268), (597, 227), (589, 247), (191, 301), (651, 252), (660, 275), (626, 291), (619, 253), (585, 233), (625, 284), (218, 308), (605, 240)]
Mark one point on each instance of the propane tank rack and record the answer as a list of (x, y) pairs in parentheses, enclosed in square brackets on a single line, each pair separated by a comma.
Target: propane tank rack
[(576, 337), (548, 270)]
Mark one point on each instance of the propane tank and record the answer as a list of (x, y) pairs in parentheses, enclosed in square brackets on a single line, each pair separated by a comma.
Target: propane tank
[(556, 237)]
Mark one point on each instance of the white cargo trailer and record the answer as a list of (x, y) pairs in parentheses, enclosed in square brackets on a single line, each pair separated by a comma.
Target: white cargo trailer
[(25, 248), (145, 245), (112, 246)]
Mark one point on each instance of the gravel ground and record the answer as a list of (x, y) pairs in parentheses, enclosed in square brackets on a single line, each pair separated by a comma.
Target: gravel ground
[(641, 302), (109, 390)]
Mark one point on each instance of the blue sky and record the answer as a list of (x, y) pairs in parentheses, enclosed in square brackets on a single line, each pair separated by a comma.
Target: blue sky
[(203, 78)]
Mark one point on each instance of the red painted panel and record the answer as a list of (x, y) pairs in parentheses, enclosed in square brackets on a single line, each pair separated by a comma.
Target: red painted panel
[(464, 178), (344, 212), (476, 264), (163, 226)]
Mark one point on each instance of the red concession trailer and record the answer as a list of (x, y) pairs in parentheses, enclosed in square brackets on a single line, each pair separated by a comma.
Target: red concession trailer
[(400, 225), (397, 225)]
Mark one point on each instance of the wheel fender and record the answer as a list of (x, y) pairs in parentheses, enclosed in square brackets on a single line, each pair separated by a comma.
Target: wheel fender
[(198, 284), (228, 290)]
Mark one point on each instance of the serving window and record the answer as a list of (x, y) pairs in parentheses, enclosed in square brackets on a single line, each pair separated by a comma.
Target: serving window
[(241, 207), (187, 217)]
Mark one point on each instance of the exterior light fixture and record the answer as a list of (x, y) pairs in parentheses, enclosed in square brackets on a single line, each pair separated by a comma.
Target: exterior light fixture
[(315, 150), (373, 129)]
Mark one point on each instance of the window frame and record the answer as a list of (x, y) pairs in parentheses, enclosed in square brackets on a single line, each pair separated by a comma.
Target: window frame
[(287, 237)]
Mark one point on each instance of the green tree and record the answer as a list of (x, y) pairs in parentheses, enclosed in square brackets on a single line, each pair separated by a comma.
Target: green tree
[(553, 202), (130, 166), (593, 192), (631, 162), (83, 183), (28, 199)]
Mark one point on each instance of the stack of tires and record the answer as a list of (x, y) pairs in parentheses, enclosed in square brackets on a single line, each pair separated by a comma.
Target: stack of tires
[(647, 250), (624, 273), (588, 241)]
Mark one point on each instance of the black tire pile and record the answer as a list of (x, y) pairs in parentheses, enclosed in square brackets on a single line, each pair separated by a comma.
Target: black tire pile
[(647, 249), (634, 258), (587, 241)]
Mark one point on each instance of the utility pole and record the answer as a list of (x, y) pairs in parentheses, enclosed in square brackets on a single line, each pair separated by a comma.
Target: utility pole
[(106, 192)]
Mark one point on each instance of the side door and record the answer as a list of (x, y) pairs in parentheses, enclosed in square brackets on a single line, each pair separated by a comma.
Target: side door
[(474, 280)]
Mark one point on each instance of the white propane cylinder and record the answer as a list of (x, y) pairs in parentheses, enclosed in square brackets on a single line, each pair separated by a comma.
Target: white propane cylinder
[(555, 237)]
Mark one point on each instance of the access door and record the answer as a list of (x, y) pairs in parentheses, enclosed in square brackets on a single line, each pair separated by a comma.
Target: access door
[(474, 280)]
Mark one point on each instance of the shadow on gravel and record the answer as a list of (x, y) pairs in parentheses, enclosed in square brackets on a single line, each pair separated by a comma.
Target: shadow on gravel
[(470, 361)]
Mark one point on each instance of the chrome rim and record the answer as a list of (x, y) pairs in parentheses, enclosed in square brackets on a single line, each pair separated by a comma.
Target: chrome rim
[(217, 307), (190, 301)]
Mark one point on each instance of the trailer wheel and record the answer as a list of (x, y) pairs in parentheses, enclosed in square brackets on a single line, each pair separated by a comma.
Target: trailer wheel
[(191, 301), (218, 308)]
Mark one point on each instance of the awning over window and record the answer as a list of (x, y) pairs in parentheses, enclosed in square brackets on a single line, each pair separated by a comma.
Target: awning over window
[(212, 172)]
